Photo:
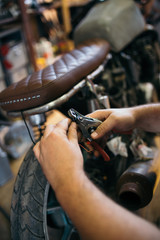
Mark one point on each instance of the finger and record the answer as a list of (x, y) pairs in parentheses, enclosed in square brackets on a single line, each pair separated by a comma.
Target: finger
[(48, 130), (36, 150), (100, 114), (80, 136), (72, 133), (104, 128), (63, 125)]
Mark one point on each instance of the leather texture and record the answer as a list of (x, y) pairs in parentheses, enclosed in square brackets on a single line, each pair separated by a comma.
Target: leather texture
[(55, 80)]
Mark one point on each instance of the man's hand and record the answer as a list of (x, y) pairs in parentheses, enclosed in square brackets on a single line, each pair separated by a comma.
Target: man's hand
[(94, 215), (120, 120), (59, 154)]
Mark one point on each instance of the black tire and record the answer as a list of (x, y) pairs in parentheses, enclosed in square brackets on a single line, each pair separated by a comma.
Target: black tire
[(29, 205), (27, 201)]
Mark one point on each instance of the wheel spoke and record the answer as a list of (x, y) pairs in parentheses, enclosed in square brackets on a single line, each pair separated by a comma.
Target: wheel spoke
[(53, 210)]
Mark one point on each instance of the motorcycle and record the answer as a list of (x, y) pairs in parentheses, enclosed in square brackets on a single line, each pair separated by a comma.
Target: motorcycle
[(99, 72)]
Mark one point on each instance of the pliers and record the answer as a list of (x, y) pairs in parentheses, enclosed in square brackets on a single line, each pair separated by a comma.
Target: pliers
[(87, 125)]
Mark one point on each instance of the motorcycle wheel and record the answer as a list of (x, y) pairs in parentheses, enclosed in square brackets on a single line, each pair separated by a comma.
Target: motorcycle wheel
[(35, 212)]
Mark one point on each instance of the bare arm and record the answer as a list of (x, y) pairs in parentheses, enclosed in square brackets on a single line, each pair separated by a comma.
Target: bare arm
[(145, 117), (97, 217), (94, 214)]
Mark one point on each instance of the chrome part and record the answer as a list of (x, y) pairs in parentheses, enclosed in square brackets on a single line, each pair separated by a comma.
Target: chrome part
[(37, 119), (92, 105), (104, 100)]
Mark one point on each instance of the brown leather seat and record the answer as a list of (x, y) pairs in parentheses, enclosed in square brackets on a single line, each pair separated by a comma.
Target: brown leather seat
[(53, 81)]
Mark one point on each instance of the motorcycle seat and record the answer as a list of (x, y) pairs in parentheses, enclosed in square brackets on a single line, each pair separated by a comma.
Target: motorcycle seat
[(48, 84)]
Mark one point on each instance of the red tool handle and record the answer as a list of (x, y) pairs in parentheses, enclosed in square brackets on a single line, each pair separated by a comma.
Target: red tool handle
[(97, 147)]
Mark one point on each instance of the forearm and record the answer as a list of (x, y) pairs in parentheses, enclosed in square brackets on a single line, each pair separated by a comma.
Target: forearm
[(147, 117), (97, 217)]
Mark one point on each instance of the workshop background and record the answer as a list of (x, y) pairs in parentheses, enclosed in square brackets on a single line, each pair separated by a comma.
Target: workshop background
[(33, 33)]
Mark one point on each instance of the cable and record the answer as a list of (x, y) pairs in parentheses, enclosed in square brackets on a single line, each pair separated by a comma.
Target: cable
[(5, 213), (27, 128)]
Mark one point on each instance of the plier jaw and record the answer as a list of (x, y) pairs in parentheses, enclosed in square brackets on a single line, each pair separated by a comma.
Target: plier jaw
[(87, 125)]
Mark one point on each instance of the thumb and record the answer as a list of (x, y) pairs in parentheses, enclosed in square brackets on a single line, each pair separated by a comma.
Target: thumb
[(72, 133), (36, 150), (104, 128)]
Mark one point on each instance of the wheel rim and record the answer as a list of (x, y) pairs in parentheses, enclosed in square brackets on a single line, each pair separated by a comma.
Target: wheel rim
[(56, 224)]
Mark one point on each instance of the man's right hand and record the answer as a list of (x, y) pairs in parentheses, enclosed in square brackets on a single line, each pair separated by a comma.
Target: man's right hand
[(120, 120)]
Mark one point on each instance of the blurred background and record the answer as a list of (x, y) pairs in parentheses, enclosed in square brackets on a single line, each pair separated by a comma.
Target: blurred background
[(33, 34)]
